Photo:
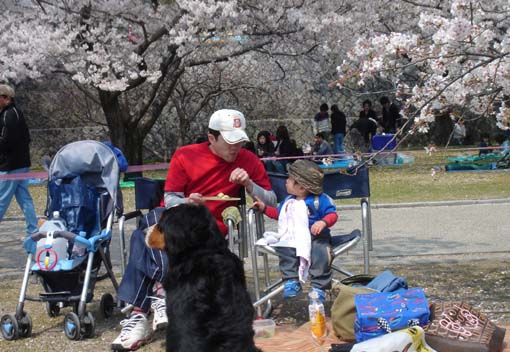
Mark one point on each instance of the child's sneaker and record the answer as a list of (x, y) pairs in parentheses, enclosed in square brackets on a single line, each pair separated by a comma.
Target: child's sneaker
[(291, 288), (321, 293)]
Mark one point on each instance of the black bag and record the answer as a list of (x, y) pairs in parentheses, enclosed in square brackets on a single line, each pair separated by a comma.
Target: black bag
[(76, 202)]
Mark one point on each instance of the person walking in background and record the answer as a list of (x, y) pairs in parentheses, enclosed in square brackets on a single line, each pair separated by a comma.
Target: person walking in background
[(15, 158), (338, 124), (322, 120)]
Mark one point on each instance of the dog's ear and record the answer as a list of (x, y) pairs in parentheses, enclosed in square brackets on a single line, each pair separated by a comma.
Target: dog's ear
[(154, 238)]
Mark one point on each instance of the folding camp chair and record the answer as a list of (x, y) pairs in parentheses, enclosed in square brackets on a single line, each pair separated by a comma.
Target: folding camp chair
[(354, 183), (148, 195)]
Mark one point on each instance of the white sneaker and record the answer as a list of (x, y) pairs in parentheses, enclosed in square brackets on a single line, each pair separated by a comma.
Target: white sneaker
[(135, 330), (160, 320)]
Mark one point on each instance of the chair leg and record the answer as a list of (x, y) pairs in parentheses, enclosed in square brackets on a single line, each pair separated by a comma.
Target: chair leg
[(369, 225), (341, 271), (253, 253), (364, 220)]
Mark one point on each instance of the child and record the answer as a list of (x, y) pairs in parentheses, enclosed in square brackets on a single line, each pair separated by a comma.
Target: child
[(305, 215)]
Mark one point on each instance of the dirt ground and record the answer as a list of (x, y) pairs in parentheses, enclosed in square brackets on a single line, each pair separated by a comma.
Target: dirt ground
[(483, 284)]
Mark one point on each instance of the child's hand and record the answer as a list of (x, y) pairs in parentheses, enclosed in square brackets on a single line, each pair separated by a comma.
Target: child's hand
[(317, 227), (258, 204)]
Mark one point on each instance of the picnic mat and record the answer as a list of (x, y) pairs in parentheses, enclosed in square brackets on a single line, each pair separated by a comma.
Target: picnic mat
[(296, 340), (291, 339)]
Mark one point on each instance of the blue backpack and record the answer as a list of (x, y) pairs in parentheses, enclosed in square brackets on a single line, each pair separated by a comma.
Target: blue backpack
[(380, 313)]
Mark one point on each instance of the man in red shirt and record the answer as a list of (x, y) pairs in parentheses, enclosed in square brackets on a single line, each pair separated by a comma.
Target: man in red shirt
[(219, 165), (196, 171)]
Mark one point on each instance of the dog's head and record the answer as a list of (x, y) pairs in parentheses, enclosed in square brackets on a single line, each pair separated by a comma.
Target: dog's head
[(185, 227)]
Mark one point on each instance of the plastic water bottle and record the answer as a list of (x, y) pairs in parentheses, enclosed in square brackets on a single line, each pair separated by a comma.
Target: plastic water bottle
[(317, 318), (59, 245)]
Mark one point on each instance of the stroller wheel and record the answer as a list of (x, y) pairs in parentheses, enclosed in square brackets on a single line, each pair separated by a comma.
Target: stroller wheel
[(107, 305), (52, 309), (10, 327), (25, 325), (72, 326), (89, 325)]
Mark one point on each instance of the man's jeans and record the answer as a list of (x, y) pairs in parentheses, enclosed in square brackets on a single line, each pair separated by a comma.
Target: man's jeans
[(339, 143), (19, 189)]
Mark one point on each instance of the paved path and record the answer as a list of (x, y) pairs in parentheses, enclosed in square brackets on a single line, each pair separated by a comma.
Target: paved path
[(412, 233), (426, 233)]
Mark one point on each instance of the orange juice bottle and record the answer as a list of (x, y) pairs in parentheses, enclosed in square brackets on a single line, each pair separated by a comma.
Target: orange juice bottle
[(317, 317)]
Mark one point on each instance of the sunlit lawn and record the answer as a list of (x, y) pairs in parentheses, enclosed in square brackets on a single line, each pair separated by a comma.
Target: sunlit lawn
[(415, 182), (388, 184)]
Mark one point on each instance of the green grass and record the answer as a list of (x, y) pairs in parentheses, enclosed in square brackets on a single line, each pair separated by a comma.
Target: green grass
[(415, 182), (388, 184)]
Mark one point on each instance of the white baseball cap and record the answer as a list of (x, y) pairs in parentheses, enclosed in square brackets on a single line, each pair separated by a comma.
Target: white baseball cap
[(231, 125)]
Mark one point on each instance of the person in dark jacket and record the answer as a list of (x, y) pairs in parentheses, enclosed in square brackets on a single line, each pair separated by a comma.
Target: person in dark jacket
[(390, 115), (14, 158), (265, 146), (367, 128), (285, 147), (265, 149), (367, 111), (338, 123)]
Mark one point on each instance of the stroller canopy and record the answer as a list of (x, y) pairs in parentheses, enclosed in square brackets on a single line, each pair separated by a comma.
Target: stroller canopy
[(93, 161)]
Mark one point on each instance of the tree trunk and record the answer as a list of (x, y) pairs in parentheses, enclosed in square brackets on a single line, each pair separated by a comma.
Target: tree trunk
[(124, 134)]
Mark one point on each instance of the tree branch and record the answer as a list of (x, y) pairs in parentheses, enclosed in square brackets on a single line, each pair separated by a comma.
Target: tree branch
[(436, 7)]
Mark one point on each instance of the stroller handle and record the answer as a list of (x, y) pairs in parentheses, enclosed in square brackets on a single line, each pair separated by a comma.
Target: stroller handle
[(91, 243), (64, 234)]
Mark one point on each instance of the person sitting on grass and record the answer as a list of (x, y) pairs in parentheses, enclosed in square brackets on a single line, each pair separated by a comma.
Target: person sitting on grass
[(321, 146), (484, 146), (504, 143), (303, 241)]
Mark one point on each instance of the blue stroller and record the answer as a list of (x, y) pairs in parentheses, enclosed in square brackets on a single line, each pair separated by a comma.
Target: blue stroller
[(67, 252)]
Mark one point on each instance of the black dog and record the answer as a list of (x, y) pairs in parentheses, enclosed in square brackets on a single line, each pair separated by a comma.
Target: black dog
[(208, 306)]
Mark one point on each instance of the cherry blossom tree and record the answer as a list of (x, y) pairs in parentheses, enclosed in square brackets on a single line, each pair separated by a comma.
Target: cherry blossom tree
[(138, 59), (451, 55), (129, 56)]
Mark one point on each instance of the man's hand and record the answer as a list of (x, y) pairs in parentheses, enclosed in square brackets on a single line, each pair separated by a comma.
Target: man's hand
[(241, 177), (195, 198)]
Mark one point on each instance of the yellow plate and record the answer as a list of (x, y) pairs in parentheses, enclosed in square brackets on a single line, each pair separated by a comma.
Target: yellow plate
[(225, 199)]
